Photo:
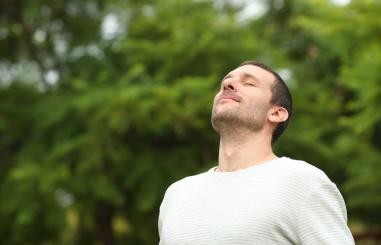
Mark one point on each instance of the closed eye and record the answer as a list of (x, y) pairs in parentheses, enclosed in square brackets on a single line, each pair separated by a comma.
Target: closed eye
[(250, 84)]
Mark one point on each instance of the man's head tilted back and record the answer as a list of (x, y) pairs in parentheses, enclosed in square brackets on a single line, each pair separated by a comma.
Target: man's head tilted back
[(254, 98), (255, 186)]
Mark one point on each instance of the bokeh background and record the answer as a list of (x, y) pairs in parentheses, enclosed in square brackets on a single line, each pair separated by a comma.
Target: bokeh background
[(105, 103)]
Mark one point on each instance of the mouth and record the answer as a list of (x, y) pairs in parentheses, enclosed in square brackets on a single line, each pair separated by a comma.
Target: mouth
[(226, 99), (229, 98)]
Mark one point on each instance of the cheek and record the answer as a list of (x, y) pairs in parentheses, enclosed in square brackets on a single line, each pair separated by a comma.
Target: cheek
[(259, 105)]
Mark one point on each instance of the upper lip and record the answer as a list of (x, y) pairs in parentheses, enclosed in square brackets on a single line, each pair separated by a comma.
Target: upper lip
[(230, 96)]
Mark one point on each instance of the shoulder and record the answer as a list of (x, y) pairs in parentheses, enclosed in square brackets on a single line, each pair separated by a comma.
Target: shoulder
[(303, 174), (301, 168), (186, 183)]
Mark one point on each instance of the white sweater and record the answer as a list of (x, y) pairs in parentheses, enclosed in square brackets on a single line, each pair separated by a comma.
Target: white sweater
[(282, 201)]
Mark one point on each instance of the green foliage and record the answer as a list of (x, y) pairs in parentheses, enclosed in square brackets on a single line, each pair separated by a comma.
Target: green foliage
[(95, 126)]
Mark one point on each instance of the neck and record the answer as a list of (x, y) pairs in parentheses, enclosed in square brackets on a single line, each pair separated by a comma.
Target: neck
[(243, 150)]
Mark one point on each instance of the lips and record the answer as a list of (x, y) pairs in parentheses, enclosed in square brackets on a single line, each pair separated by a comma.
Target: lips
[(230, 96)]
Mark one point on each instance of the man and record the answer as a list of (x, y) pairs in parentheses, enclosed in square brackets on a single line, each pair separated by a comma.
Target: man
[(253, 196)]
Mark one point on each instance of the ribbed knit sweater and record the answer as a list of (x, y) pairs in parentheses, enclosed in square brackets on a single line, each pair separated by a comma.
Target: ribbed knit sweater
[(282, 201)]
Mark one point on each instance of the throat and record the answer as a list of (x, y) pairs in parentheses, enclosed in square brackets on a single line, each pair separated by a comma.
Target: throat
[(237, 153)]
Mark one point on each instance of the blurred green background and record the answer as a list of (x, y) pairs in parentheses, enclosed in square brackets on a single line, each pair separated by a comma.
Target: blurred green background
[(103, 104)]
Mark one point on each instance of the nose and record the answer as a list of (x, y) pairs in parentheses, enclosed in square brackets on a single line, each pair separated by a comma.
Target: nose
[(229, 84)]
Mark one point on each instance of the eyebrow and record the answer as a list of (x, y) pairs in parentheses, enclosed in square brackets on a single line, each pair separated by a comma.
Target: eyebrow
[(246, 75)]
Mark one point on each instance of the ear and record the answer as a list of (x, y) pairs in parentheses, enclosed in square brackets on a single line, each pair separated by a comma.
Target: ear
[(278, 114)]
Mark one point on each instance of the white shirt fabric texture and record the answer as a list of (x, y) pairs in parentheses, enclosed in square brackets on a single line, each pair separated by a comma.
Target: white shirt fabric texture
[(282, 201)]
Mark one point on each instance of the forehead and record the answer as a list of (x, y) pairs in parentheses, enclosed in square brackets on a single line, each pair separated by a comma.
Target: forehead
[(261, 74)]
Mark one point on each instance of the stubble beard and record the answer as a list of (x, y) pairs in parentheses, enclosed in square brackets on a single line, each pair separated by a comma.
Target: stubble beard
[(230, 122)]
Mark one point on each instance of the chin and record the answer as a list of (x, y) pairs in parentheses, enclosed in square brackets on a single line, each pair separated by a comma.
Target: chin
[(223, 117)]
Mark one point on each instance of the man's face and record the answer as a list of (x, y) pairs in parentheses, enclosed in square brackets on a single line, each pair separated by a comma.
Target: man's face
[(244, 99)]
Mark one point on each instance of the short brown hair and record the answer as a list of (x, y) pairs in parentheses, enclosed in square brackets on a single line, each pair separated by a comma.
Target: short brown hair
[(281, 96)]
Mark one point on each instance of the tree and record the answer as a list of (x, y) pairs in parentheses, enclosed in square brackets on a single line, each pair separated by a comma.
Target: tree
[(104, 104)]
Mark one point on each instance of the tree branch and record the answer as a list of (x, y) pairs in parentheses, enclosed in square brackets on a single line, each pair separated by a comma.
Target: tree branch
[(27, 32)]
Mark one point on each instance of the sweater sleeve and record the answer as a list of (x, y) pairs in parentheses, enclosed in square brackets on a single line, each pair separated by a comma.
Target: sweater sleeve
[(161, 214), (323, 218), (160, 223)]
